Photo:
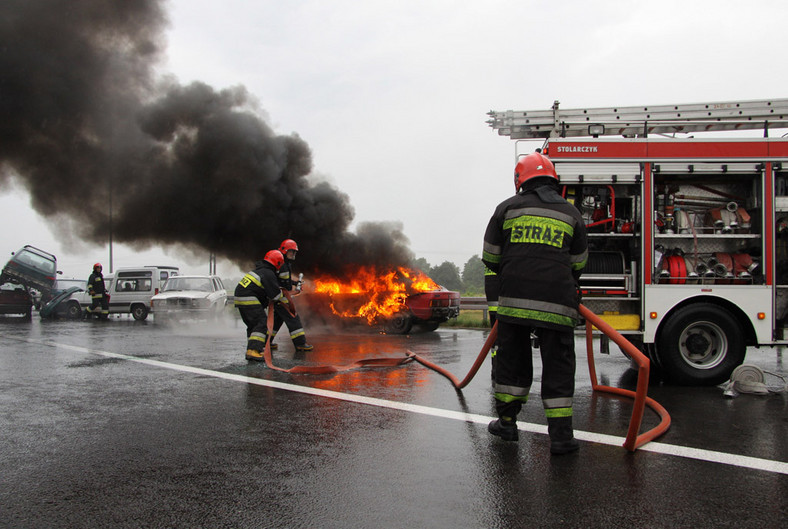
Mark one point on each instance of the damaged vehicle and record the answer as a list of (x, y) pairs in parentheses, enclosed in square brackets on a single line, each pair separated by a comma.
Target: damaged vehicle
[(397, 314), (31, 267), (67, 299), (425, 309)]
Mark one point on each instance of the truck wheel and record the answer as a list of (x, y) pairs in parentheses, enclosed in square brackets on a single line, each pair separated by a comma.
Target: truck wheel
[(73, 311), (400, 323), (700, 344), (139, 312)]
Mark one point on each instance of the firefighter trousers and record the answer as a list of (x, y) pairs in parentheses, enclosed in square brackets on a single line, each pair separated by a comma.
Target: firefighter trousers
[(96, 301), (294, 325), (256, 321), (513, 369)]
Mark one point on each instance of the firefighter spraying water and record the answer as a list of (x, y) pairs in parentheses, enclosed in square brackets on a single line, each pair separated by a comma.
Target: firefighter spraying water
[(252, 296), (289, 316)]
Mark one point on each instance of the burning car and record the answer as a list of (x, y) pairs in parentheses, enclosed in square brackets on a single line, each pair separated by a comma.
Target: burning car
[(396, 299)]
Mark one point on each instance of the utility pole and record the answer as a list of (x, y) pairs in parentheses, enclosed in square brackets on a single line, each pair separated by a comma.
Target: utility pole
[(110, 224)]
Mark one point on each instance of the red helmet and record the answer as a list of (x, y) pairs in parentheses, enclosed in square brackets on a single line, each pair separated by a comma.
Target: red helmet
[(97, 265), (531, 166), (275, 257), (288, 244)]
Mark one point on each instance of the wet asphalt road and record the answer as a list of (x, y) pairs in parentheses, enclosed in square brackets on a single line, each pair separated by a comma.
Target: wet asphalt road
[(133, 424)]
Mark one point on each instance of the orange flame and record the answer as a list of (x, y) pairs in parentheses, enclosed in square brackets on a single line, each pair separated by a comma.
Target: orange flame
[(382, 294)]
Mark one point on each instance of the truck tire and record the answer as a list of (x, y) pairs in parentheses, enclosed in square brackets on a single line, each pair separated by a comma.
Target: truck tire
[(700, 344), (139, 312), (400, 323)]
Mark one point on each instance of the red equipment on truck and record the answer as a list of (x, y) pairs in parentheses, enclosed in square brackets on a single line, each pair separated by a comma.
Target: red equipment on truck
[(688, 237)]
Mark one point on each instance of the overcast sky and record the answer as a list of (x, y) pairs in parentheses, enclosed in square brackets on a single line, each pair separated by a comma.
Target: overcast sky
[(392, 97)]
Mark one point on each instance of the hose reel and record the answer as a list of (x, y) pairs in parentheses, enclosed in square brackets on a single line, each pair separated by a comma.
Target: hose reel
[(605, 274), (748, 378)]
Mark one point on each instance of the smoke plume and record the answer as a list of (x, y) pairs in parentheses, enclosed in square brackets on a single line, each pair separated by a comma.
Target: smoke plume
[(88, 128)]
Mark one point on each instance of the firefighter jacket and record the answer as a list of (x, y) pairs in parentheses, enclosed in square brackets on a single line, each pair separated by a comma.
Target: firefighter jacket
[(259, 286), (96, 286), (536, 242), (284, 276), (491, 289)]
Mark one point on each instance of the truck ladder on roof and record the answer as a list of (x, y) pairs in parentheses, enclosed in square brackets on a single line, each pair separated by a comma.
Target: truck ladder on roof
[(641, 121)]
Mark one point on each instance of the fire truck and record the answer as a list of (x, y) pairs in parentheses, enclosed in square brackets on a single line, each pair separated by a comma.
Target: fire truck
[(688, 232)]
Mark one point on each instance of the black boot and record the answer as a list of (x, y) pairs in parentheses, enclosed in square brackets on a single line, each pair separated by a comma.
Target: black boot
[(562, 439), (506, 430)]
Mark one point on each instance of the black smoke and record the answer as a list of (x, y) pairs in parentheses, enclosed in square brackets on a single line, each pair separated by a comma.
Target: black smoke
[(88, 126)]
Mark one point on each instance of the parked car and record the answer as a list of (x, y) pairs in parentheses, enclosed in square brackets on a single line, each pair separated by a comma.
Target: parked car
[(131, 289), (31, 268), (190, 297), (15, 299)]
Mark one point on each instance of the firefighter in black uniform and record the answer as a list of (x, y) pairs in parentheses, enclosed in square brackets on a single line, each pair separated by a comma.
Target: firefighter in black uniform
[(289, 248), (252, 295), (536, 242), (491, 288), (98, 295)]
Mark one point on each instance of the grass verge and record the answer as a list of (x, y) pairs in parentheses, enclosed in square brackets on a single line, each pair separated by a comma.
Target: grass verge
[(469, 318)]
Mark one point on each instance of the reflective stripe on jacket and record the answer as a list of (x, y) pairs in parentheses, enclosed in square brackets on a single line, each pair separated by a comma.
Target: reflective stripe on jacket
[(537, 248), (96, 286), (258, 286)]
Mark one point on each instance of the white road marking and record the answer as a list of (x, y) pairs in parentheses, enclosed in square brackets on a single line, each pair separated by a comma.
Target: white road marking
[(724, 458)]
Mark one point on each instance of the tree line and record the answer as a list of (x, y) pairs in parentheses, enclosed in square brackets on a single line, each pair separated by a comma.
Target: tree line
[(469, 282)]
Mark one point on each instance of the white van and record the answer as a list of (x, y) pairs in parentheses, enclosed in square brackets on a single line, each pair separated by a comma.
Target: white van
[(130, 289)]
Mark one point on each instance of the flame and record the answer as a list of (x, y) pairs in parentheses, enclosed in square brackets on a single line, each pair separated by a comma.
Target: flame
[(382, 293)]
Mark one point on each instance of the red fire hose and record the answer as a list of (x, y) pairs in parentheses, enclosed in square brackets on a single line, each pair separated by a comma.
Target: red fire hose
[(476, 365), (633, 440)]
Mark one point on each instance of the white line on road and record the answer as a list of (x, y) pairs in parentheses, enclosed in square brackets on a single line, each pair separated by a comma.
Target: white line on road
[(659, 448)]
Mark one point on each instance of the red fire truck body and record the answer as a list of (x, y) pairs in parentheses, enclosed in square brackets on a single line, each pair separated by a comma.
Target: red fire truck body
[(688, 237)]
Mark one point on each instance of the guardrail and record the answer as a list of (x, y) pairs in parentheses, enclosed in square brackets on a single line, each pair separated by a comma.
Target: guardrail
[(470, 303)]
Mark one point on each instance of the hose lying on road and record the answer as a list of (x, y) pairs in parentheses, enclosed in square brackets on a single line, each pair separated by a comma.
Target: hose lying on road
[(324, 369), (633, 440), (476, 365)]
